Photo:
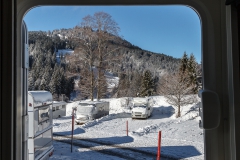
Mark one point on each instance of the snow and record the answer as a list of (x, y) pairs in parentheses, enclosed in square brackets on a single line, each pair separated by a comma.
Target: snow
[(112, 81), (181, 137), (63, 52)]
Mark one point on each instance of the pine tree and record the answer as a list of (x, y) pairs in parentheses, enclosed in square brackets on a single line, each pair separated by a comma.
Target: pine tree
[(55, 81), (46, 79), (188, 69), (62, 81), (31, 86), (52, 86), (40, 65), (58, 78), (69, 87), (184, 63), (37, 84), (192, 73), (53, 60), (148, 84), (43, 85)]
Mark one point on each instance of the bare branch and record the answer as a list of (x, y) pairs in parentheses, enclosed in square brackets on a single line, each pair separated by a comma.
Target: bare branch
[(176, 90)]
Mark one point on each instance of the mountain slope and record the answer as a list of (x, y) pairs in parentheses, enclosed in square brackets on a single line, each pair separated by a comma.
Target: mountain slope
[(132, 58)]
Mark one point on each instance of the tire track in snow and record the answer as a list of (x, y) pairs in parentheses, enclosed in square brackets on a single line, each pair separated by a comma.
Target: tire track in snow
[(109, 149)]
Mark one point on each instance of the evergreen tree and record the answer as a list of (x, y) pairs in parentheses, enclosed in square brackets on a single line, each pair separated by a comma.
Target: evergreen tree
[(62, 81), (39, 66), (31, 81), (37, 84), (148, 84), (192, 73), (52, 86), (53, 60), (55, 81), (188, 69), (46, 78), (184, 63), (58, 79), (69, 87), (43, 85), (48, 62)]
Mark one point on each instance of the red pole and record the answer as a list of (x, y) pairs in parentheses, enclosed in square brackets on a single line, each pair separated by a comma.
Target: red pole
[(72, 128), (159, 145), (127, 128)]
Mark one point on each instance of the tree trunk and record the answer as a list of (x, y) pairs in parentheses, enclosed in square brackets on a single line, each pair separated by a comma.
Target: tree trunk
[(179, 113), (92, 86), (99, 71)]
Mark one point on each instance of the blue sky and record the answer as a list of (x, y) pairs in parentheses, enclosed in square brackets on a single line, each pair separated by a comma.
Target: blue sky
[(170, 30)]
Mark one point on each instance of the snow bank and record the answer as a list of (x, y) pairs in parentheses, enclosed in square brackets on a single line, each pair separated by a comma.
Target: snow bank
[(144, 130), (159, 103), (106, 118)]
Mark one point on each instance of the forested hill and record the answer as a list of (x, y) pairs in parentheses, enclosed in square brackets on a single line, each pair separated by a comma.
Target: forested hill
[(132, 58), (57, 75)]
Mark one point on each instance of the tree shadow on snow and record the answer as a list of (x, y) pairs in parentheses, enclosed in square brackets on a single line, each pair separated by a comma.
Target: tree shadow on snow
[(103, 119), (113, 140), (180, 152), (162, 112), (167, 152), (193, 108), (173, 152), (67, 133)]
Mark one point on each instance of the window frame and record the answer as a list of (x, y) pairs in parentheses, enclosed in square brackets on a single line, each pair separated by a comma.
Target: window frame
[(213, 20)]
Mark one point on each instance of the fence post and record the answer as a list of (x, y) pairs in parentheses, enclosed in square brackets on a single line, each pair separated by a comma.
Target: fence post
[(159, 145), (127, 127), (72, 128)]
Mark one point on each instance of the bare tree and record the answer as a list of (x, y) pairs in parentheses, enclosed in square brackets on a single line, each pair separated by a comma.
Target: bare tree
[(123, 85), (129, 84), (93, 52), (86, 84), (136, 80), (85, 56), (176, 90), (102, 84), (106, 29)]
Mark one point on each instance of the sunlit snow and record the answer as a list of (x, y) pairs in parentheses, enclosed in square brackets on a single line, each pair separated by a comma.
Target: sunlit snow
[(181, 137)]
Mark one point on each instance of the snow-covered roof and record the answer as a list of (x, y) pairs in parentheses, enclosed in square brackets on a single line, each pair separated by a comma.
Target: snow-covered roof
[(40, 97), (91, 102), (140, 100)]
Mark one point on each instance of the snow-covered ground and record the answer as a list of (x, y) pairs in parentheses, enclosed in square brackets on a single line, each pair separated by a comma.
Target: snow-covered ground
[(181, 137), (63, 52)]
